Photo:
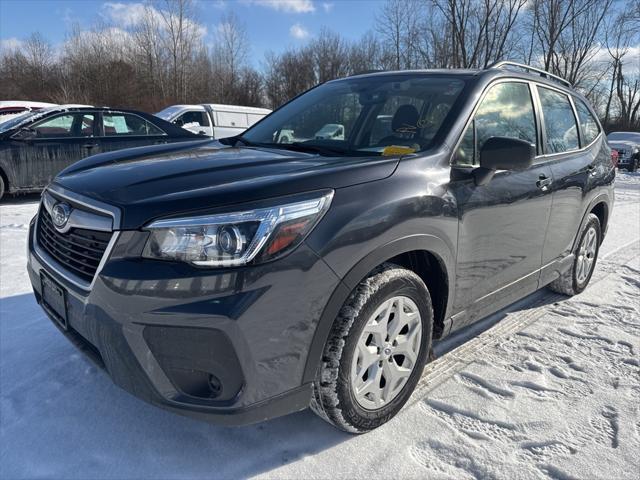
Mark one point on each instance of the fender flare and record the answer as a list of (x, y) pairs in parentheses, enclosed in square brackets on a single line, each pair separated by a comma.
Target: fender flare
[(429, 243), (8, 174), (602, 197)]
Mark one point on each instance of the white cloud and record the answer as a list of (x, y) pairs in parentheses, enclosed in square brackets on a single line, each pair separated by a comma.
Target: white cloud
[(630, 60), (129, 15), (298, 31), (12, 43), (126, 14), (290, 6), (327, 7)]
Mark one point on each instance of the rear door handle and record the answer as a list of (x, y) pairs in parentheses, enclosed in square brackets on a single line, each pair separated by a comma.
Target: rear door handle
[(543, 183)]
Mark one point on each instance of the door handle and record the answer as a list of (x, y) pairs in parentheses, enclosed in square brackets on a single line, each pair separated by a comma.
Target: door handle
[(89, 146), (543, 182)]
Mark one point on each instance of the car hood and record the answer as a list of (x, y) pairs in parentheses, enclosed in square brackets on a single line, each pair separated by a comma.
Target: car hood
[(151, 182)]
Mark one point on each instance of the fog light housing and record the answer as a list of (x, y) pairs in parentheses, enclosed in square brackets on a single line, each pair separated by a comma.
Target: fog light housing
[(215, 385)]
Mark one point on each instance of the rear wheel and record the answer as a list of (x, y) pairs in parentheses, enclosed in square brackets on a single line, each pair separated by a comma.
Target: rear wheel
[(576, 279), (2, 187), (376, 351)]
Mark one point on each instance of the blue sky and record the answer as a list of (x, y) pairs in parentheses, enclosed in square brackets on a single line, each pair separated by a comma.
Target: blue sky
[(271, 24)]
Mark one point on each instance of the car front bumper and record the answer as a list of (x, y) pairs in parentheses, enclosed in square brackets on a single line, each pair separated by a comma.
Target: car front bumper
[(228, 345)]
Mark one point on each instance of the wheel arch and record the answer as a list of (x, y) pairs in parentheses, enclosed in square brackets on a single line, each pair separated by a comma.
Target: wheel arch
[(600, 206), (426, 255), (5, 179), (601, 210)]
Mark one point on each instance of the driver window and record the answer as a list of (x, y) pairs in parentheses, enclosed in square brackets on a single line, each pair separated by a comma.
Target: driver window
[(505, 111), (193, 118), (68, 125)]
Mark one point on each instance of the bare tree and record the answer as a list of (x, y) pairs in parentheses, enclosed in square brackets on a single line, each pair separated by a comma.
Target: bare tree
[(480, 31), (181, 39), (229, 58), (398, 24)]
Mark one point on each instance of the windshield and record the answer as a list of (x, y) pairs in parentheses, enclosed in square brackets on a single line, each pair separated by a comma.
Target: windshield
[(169, 112), (27, 117), (624, 137), (361, 116), (15, 121)]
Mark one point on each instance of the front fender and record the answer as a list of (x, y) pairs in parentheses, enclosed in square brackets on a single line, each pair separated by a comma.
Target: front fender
[(417, 242)]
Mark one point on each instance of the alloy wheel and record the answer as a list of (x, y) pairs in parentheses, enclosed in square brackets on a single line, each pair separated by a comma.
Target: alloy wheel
[(586, 255), (386, 352)]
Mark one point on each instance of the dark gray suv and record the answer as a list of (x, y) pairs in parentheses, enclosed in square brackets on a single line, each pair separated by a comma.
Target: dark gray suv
[(242, 279)]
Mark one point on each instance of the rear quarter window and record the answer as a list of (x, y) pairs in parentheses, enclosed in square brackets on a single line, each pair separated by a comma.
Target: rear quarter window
[(588, 123)]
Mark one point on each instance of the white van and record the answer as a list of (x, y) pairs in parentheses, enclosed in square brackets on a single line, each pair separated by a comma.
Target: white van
[(212, 119)]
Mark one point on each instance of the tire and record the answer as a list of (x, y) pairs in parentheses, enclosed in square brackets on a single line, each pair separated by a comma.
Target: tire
[(575, 280), (2, 187), (336, 398)]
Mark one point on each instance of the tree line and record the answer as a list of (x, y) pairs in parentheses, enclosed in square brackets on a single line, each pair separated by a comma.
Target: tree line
[(162, 58)]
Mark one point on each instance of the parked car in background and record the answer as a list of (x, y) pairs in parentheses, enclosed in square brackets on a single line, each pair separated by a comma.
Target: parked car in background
[(12, 108), (36, 145), (212, 119), (627, 144), (243, 279), (331, 131)]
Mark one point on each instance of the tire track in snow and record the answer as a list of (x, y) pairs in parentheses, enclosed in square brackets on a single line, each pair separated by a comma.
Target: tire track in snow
[(541, 303)]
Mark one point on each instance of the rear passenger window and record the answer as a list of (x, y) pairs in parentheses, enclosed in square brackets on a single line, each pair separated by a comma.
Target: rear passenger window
[(505, 111), (588, 123), (116, 124), (559, 121)]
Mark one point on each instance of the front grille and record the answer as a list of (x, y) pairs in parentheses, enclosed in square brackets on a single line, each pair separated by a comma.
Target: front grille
[(78, 250)]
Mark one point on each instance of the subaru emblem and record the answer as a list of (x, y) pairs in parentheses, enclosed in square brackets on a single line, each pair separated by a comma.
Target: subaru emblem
[(60, 214)]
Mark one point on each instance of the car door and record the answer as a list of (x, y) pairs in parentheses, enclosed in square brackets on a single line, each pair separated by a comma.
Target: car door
[(52, 144), (126, 130), (573, 169), (501, 224)]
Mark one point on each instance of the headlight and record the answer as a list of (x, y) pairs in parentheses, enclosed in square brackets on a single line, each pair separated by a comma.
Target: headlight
[(235, 238)]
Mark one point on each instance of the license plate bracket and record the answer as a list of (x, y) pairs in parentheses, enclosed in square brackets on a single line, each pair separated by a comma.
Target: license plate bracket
[(54, 299)]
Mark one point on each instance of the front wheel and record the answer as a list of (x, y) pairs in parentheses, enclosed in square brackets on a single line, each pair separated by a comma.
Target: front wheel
[(576, 279), (376, 351)]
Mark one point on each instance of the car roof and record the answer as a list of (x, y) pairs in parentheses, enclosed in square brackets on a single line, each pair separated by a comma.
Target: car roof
[(220, 107), (487, 75)]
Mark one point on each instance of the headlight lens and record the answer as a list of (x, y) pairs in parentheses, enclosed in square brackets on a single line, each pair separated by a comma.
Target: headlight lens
[(235, 238)]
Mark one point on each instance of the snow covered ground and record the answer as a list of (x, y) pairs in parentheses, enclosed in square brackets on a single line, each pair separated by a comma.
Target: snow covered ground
[(549, 388)]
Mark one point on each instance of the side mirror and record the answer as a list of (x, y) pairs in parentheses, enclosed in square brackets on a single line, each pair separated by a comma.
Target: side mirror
[(503, 153)]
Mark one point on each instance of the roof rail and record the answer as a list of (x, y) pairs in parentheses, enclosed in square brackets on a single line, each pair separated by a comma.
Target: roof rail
[(542, 73)]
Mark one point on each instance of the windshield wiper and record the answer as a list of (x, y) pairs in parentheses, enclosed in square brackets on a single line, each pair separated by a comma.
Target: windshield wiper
[(294, 146), (321, 149)]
